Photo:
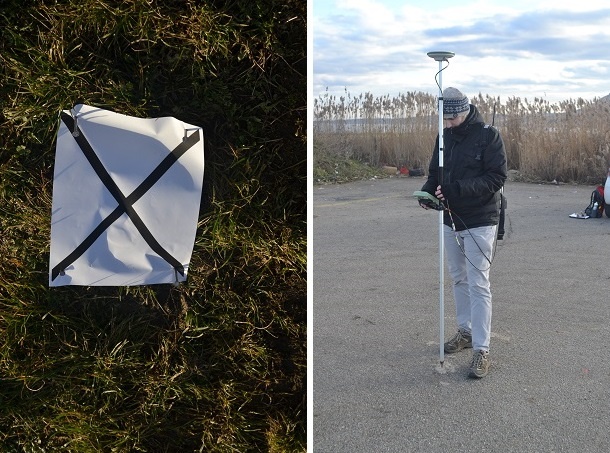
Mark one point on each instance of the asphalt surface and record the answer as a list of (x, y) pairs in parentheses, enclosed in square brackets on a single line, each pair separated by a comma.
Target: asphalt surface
[(377, 381)]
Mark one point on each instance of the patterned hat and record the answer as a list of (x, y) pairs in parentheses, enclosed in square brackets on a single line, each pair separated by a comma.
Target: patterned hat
[(454, 102)]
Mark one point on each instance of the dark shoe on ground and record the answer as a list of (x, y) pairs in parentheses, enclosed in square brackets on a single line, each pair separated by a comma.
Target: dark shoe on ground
[(458, 342), (479, 367)]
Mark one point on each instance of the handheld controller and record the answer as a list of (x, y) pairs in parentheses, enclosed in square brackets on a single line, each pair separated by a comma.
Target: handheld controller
[(429, 200)]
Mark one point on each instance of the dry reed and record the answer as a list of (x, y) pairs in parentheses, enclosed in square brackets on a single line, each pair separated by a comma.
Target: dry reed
[(567, 141)]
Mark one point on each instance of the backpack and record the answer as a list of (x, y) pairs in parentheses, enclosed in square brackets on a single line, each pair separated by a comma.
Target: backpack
[(597, 196)]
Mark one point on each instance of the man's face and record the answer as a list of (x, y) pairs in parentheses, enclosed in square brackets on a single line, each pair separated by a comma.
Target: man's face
[(454, 122)]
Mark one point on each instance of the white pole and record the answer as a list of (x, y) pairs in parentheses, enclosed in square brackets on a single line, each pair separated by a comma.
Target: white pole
[(441, 237), (440, 57)]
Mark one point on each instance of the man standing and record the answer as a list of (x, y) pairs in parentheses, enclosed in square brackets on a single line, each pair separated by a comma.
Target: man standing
[(474, 171)]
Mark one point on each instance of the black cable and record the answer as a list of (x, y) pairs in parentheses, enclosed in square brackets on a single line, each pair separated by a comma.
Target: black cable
[(495, 246), (436, 75)]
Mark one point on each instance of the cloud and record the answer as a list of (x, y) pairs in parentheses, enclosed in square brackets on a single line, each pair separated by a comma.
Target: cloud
[(558, 54), (561, 35)]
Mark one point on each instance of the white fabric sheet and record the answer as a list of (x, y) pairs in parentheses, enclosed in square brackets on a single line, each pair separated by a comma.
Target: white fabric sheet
[(155, 215)]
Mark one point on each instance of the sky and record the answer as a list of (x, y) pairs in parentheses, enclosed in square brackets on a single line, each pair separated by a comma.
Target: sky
[(552, 50)]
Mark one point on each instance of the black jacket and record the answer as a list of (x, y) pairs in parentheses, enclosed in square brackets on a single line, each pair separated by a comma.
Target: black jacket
[(474, 171)]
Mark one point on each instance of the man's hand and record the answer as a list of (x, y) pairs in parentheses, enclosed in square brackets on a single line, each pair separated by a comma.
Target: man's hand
[(424, 204), (439, 194), (451, 192)]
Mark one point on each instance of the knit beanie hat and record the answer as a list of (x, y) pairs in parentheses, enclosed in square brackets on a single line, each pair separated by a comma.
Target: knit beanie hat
[(454, 102)]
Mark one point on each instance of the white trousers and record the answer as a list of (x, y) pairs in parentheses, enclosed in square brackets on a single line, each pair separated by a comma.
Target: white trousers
[(468, 256)]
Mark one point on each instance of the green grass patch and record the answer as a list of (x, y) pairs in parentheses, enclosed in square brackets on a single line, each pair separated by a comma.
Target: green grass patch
[(333, 168)]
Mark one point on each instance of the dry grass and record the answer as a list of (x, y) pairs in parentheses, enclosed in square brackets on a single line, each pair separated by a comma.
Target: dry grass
[(567, 141)]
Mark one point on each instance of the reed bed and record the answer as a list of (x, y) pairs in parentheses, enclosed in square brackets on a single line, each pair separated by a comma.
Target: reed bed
[(568, 141)]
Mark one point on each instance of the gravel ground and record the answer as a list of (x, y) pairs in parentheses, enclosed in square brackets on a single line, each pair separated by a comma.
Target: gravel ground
[(377, 381)]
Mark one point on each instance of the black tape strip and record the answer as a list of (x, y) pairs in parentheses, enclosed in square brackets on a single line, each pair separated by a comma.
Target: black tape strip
[(125, 203)]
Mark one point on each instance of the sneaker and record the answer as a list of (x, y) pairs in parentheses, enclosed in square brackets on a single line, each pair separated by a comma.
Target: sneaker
[(479, 367), (459, 341)]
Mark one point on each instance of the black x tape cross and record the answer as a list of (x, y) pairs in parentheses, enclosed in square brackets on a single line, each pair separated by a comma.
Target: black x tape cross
[(125, 203)]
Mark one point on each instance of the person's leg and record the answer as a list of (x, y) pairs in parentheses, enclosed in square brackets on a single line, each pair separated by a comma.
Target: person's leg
[(478, 247), (456, 265)]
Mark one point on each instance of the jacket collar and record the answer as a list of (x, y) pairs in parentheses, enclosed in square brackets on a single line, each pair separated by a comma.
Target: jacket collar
[(458, 133)]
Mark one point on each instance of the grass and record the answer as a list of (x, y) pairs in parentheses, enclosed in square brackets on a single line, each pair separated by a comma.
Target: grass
[(332, 168), (218, 363)]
